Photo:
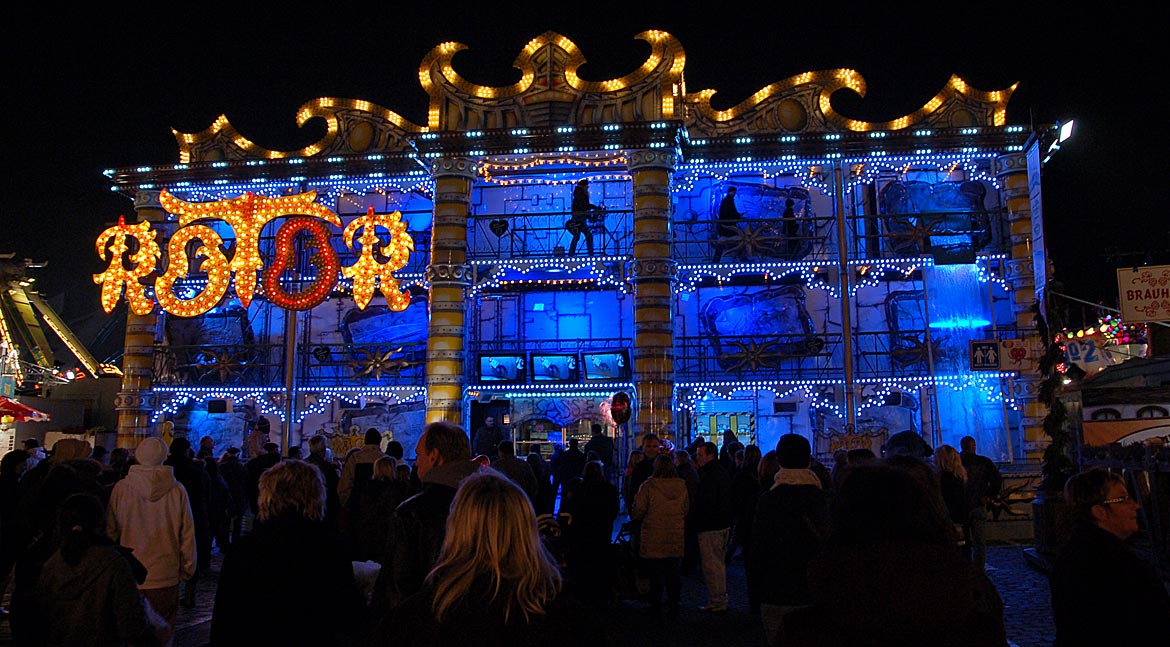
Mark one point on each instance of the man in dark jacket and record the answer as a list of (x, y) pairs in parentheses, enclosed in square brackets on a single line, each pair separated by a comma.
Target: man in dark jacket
[(983, 484), (489, 437), (1102, 593), (602, 445), (712, 521), (419, 525), (569, 465), (319, 456), (641, 471), (791, 522), (236, 476), (516, 470)]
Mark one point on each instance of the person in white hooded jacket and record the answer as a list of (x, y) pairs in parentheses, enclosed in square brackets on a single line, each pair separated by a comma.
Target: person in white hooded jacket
[(150, 513)]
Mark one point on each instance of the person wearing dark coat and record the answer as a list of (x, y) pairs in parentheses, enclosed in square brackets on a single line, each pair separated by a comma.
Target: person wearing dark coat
[(712, 519), (745, 493), (87, 594), (545, 496), (651, 446), (419, 525), (890, 573), (791, 524), (192, 475), (256, 466), (568, 466), (602, 445), (686, 472), (1102, 592), (289, 560), (592, 505), (11, 467), (235, 475), (983, 484), (374, 506), (521, 474), (319, 457), (488, 437), (43, 489)]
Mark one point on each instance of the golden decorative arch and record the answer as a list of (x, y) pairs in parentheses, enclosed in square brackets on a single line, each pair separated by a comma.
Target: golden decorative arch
[(549, 91), (802, 103), (351, 126)]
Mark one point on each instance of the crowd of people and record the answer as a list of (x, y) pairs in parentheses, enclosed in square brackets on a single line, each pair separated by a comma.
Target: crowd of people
[(487, 548)]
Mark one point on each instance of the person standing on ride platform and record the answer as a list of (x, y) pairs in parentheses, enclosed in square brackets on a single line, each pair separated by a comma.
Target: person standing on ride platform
[(583, 212), (728, 228)]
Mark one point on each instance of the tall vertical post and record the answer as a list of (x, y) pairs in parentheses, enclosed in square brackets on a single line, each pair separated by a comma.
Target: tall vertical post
[(449, 276), (1012, 172), (844, 281), (135, 402), (653, 272)]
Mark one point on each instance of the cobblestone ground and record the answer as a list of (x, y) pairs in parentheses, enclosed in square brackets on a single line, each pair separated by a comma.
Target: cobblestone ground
[(1024, 591)]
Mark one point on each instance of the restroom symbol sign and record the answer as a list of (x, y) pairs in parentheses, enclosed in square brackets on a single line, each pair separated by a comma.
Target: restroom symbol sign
[(985, 355)]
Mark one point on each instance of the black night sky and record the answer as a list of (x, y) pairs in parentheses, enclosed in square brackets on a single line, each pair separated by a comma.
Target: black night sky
[(87, 93)]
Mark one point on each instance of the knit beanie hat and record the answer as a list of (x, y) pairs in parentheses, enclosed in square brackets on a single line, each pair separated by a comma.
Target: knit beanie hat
[(151, 452)]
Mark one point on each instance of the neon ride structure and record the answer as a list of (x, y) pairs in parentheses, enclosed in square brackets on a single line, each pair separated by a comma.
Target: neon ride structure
[(395, 273)]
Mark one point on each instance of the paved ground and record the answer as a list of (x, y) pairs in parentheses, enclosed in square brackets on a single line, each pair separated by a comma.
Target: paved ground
[(1024, 590)]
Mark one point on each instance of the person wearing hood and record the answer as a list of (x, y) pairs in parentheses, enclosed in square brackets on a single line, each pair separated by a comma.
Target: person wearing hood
[(87, 593), (419, 525), (150, 513), (790, 526), (661, 506)]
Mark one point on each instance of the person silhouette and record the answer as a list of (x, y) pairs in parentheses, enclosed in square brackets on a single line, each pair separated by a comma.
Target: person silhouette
[(582, 212), (727, 231)]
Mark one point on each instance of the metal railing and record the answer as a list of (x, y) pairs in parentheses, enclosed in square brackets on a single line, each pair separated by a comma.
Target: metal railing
[(383, 364), (754, 240), (219, 365), (752, 357), (908, 235), (548, 235)]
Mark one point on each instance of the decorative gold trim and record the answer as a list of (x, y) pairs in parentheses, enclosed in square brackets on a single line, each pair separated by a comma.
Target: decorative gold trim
[(221, 141), (547, 76), (802, 103)]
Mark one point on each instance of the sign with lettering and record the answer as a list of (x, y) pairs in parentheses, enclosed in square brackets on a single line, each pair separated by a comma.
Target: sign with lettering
[(1144, 293), (379, 256)]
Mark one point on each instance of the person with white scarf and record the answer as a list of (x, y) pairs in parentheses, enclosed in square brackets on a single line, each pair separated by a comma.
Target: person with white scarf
[(791, 524)]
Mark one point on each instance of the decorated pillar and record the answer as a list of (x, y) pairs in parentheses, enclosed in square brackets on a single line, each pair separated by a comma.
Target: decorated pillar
[(449, 276), (652, 272), (1012, 173), (135, 402)]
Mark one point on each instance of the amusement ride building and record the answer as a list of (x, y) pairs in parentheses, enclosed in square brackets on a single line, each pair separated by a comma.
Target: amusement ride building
[(861, 279)]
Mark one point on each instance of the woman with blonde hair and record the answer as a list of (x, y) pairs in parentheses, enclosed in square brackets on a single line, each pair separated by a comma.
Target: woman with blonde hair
[(289, 557), (494, 582), (952, 480)]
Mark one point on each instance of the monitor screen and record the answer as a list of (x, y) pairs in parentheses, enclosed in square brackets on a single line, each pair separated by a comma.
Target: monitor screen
[(554, 368), (502, 368), (611, 365)]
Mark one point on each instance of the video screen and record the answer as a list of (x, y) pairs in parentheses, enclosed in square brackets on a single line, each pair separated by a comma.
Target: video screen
[(554, 368), (612, 365), (501, 368)]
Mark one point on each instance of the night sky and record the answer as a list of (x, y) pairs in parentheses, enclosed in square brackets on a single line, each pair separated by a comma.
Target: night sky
[(87, 93)]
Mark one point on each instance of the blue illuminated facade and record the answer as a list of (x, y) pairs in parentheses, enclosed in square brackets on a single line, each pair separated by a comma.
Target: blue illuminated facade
[(839, 302)]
